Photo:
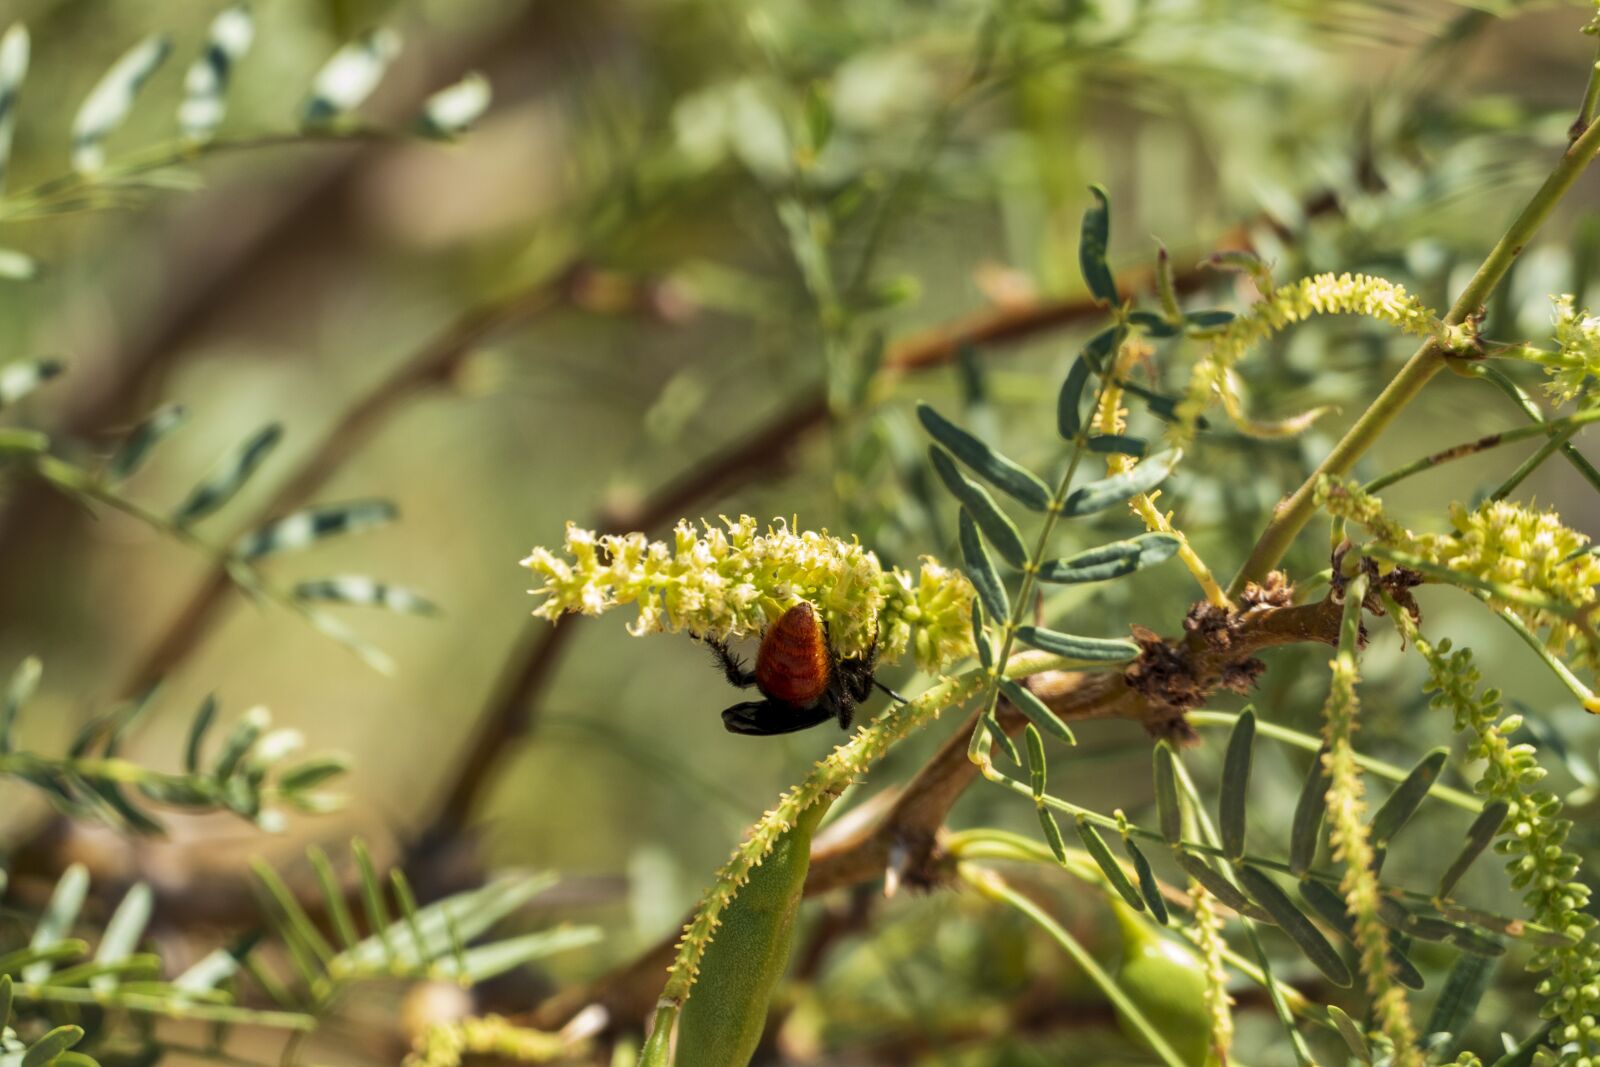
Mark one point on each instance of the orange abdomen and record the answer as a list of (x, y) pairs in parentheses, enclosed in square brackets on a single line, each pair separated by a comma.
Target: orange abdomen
[(793, 663)]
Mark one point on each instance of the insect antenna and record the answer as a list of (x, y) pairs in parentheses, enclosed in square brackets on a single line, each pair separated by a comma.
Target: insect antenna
[(891, 692)]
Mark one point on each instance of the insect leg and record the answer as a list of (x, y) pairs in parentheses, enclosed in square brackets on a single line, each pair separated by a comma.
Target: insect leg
[(732, 666)]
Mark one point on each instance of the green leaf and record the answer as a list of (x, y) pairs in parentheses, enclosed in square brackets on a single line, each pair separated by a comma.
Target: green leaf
[(1037, 768), (378, 944), (313, 772), (1235, 791), (249, 729), (57, 952), (143, 440), (13, 69), (123, 932), (1111, 560), (1068, 421), (1101, 345), (361, 591), (293, 923), (310, 525), (1351, 1033), (1458, 1001), (229, 475), (216, 966), (66, 901), (197, 733), (1120, 488), (205, 84), (1027, 702), (1331, 906), (1218, 885), (1052, 834), (1306, 830), (1149, 887), (110, 101), (1168, 807), (980, 636), (24, 683), (1166, 284), (49, 1048), (1154, 325), (980, 569), (1301, 930), (19, 379), (1115, 876), (991, 723), (1087, 649), (471, 913), (346, 80), (1118, 444), (1096, 236), (995, 524), (5, 1000), (1480, 835), (1008, 476), (1403, 803), (1209, 320), (450, 111)]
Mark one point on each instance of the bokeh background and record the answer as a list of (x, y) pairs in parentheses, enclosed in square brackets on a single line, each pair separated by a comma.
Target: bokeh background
[(681, 223)]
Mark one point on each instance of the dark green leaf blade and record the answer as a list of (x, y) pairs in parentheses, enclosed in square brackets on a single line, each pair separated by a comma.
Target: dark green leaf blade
[(1168, 807), (1027, 702), (1119, 488), (1479, 837), (995, 524), (1115, 876), (1068, 421), (1149, 887), (229, 476), (1086, 649), (310, 525), (1235, 791), (980, 570), (1306, 830), (1092, 244), (1111, 560), (1301, 930), (1005, 474)]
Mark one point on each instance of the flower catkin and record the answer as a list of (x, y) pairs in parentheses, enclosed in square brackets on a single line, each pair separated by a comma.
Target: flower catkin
[(1320, 294), (1529, 556), (733, 582)]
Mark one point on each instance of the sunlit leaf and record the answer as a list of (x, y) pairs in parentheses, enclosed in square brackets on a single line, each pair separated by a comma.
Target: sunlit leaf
[(229, 475), (450, 111), (49, 1048), (110, 101), (345, 81), (1119, 488), (1112, 560), (1073, 647), (143, 440), (1149, 887), (995, 524), (1096, 235), (1353, 1038), (19, 379), (205, 84), (66, 901), (13, 69), (310, 525), (1115, 876)]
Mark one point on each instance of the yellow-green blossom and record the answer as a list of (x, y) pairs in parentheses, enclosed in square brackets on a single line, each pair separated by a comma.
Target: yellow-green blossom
[(1578, 335), (1527, 561), (1320, 294), (734, 582), (448, 1044)]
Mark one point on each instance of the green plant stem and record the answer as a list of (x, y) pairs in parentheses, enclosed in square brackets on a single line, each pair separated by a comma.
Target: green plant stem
[(166, 1007), (1292, 515), (1454, 797), (1559, 432), (1585, 695), (990, 885), (1518, 396), (1533, 462)]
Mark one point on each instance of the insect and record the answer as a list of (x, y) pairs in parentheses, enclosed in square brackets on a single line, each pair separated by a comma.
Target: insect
[(804, 681)]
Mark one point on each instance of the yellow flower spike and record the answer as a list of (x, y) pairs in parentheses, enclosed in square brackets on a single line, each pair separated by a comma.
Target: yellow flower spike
[(732, 580)]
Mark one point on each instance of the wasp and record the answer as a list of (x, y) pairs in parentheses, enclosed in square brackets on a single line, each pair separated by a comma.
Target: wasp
[(803, 680)]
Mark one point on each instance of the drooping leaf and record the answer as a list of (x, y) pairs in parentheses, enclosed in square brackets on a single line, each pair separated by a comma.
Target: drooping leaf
[(1099, 347), (980, 569), (1086, 649), (1330, 905), (345, 81), (471, 913), (995, 524), (1480, 835), (1038, 769), (1111, 560), (143, 440), (980, 636), (1119, 488), (60, 913), (1092, 244), (450, 111), (1005, 474), (22, 377), (310, 525), (1115, 876), (1234, 794), (1301, 930), (229, 475), (13, 69), (1068, 421), (1149, 887), (1217, 884), (1052, 834), (1168, 807), (110, 101), (1027, 702), (1306, 829), (245, 733), (1407, 797), (205, 84), (24, 683)]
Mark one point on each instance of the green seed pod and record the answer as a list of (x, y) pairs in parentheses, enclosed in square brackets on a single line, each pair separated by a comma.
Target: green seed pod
[(727, 1008), (1166, 980)]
